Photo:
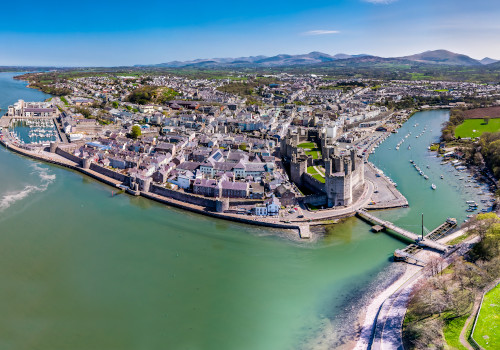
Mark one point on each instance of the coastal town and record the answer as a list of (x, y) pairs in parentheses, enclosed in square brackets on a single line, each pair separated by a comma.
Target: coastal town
[(283, 175), (294, 152)]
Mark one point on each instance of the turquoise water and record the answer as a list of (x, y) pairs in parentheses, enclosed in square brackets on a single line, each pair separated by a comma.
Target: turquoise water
[(82, 269), (448, 200)]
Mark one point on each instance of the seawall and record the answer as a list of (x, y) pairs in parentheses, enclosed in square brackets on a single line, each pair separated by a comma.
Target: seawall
[(178, 203)]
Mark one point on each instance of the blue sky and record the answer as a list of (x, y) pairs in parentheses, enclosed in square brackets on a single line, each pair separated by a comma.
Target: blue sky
[(110, 32)]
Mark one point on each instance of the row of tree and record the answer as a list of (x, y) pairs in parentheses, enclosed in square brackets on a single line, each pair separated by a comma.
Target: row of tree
[(449, 294)]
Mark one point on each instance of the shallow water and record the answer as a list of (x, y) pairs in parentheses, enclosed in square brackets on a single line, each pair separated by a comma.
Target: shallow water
[(82, 269)]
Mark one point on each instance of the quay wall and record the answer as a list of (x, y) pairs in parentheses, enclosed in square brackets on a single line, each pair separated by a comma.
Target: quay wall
[(180, 203), (218, 215)]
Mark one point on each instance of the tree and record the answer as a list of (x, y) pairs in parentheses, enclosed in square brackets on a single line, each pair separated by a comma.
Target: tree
[(135, 132), (243, 146), (115, 104)]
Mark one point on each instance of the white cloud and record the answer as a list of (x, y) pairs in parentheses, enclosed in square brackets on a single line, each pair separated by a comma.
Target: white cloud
[(320, 32), (382, 2)]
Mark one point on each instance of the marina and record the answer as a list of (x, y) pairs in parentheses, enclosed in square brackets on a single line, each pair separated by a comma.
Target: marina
[(34, 131)]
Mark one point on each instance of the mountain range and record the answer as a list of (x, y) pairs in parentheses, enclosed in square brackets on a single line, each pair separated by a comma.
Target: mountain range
[(441, 57)]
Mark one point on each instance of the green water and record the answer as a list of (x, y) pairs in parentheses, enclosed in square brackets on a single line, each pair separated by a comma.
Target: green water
[(448, 200), (81, 269)]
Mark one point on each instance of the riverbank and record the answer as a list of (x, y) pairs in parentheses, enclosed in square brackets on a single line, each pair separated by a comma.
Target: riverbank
[(382, 322), (375, 187), (61, 161)]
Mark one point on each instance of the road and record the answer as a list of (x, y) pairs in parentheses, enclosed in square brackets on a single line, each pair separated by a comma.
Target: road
[(389, 322)]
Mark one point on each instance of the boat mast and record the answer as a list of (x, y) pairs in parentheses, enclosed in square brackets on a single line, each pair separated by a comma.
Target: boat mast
[(422, 225)]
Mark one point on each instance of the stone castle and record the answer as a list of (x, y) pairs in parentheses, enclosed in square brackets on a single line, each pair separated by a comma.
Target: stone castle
[(344, 170)]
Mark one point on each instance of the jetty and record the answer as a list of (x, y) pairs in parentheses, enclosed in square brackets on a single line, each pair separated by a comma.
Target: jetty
[(442, 230), (405, 233)]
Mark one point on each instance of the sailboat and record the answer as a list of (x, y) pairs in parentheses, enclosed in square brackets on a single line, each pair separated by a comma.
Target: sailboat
[(433, 186)]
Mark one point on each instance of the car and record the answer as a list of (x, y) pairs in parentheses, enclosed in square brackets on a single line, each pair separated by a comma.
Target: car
[(376, 191), (300, 216)]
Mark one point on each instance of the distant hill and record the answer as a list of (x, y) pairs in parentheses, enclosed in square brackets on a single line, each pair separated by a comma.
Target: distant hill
[(443, 57), (259, 61), (488, 60), (315, 58)]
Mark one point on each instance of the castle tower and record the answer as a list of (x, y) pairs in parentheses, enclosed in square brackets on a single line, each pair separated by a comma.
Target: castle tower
[(298, 167), (328, 167)]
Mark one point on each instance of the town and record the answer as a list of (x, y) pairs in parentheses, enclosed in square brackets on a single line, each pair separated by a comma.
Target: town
[(279, 149)]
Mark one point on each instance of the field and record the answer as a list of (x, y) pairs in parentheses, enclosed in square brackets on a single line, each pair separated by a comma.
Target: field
[(307, 145), (480, 113), (476, 127), (315, 174), (487, 332), (311, 149)]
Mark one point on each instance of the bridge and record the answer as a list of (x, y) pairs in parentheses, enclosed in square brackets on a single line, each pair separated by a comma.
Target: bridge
[(410, 235)]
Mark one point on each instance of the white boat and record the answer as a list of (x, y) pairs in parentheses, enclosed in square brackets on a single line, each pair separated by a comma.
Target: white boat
[(433, 186), (426, 177), (442, 177)]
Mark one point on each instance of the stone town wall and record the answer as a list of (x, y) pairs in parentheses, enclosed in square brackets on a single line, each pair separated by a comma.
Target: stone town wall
[(69, 156), (184, 197), (109, 173)]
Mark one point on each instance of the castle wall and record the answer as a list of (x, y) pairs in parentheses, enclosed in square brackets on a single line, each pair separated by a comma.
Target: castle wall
[(312, 184), (315, 199)]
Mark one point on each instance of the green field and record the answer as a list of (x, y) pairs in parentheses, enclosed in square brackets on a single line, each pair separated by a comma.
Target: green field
[(487, 332), (315, 174), (476, 127), (310, 145), (312, 149), (315, 153)]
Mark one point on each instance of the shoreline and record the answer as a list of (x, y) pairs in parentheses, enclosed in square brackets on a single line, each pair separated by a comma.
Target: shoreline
[(161, 199), (321, 217)]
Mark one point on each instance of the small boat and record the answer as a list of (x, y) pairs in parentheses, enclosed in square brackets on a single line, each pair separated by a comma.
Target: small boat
[(433, 186), (428, 166), (411, 161), (442, 177)]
